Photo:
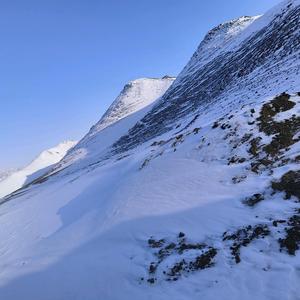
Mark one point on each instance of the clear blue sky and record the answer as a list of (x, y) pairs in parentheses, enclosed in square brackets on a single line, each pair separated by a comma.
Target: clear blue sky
[(64, 61)]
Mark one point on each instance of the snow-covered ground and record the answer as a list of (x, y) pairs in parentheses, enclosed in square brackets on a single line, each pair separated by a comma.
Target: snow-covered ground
[(38, 167), (206, 209), (86, 237)]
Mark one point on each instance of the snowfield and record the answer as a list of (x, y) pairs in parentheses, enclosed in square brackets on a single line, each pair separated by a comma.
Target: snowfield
[(88, 237), (205, 205)]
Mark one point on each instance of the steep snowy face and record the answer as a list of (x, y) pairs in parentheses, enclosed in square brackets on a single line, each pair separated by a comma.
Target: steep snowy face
[(135, 95), (134, 101), (253, 57), (216, 41), (36, 168)]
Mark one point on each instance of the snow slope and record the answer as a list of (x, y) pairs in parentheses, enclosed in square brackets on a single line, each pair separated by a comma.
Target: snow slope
[(200, 200), (218, 40), (135, 95), (90, 239), (35, 169), (134, 101)]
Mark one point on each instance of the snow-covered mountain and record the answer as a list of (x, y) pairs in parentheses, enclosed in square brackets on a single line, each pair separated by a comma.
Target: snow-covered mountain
[(6, 173), (195, 196), (135, 95), (261, 58), (134, 101), (38, 167)]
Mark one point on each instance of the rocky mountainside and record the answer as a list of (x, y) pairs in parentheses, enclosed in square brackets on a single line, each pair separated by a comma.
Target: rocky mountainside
[(38, 167), (195, 196), (258, 57)]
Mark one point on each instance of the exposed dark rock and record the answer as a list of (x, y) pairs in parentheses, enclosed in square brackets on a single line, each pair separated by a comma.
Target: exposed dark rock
[(284, 135), (156, 243), (236, 160), (246, 137), (260, 164), (181, 235), (188, 246), (254, 149), (178, 268), (145, 163), (289, 183), (253, 200), (152, 268), (291, 241), (284, 131), (215, 125), (276, 222), (159, 143), (203, 257), (151, 280), (203, 261), (196, 130), (243, 237), (272, 108), (238, 179)]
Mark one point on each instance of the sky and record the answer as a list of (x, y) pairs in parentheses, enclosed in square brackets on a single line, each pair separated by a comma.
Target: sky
[(64, 61)]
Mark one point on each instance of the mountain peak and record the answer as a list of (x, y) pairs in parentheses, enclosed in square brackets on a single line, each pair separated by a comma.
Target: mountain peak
[(217, 39), (135, 95)]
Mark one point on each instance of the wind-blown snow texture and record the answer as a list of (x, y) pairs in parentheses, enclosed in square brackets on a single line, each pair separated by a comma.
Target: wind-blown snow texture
[(39, 166), (200, 200)]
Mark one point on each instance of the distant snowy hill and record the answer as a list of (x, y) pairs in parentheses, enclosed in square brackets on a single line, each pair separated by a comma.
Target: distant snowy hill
[(6, 173), (12, 181), (193, 194)]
